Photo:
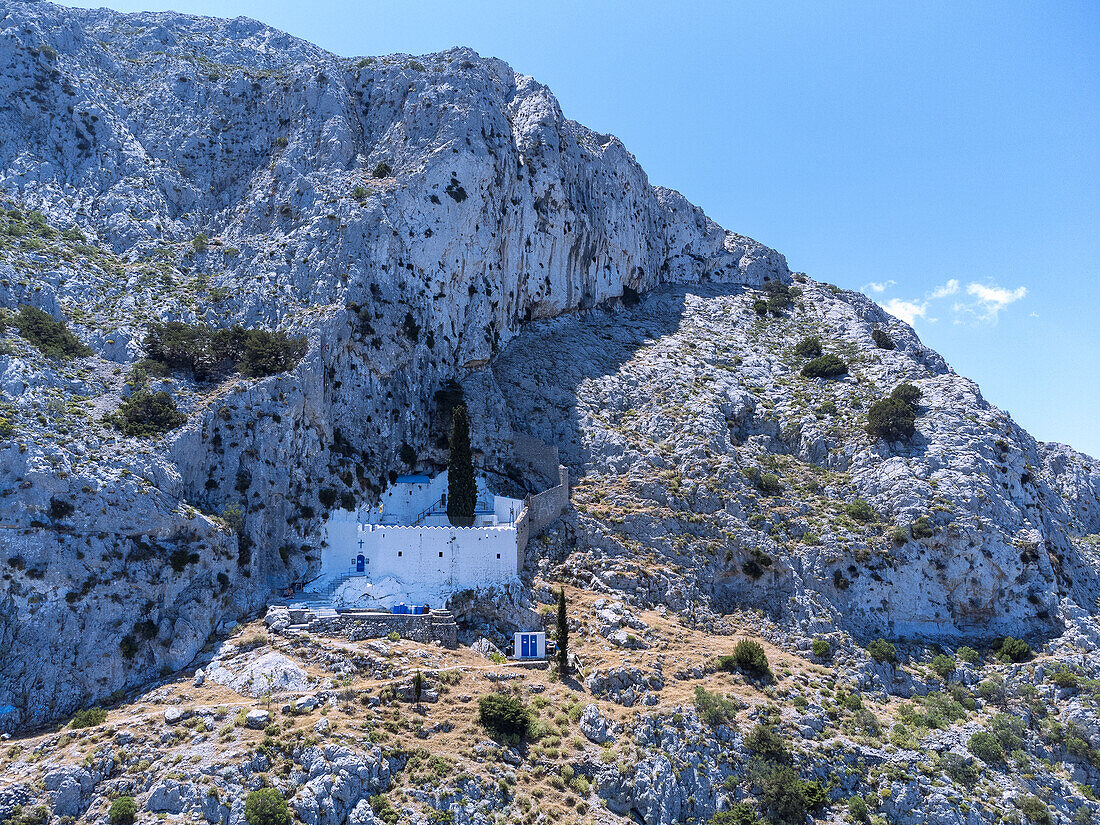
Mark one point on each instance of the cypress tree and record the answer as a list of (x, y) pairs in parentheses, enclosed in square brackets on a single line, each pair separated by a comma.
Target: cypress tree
[(418, 687), (563, 635), (461, 486)]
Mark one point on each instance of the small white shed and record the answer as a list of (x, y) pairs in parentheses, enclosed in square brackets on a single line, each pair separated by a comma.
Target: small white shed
[(530, 644)]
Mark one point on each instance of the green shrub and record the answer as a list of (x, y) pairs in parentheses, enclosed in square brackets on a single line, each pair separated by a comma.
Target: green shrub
[(146, 414), (769, 483), (900, 535), (202, 351), (764, 741), (749, 656), (122, 811), (327, 497), (504, 716), (882, 651), (922, 528), (359, 192), (781, 794), (200, 243), (960, 769), (808, 347), (826, 366), (50, 336), (860, 510), (384, 810), (777, 304), (88, 718), (1034, 810), (1065, 678), (740, 813), (266, 806), (908, 394), (985, 746), (382, 170), (967, 654), (1012, 650), (760, 307), (891, 419), (1008, 730), (881, 339), (857, 809), (715, 709), (943, 665), (821, 648)]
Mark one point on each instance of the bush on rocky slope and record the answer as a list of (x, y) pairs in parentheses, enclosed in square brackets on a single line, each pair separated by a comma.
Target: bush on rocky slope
[(146, 414), (808, 347), (266, 806), (891, 419), (504, 716), (202, 351), (826, 366), (49, 335), (122, 811), (882, 339)]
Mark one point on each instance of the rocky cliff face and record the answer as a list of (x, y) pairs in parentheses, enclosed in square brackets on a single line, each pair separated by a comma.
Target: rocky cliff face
[(409, 216), (673, 415), (420, 220)]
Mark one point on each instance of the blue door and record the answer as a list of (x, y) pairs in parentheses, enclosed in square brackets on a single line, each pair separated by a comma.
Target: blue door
[(525, 645), (360, 563)]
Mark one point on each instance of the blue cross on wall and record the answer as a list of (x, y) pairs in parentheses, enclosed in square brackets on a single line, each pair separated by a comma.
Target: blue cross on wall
[(360, 544)]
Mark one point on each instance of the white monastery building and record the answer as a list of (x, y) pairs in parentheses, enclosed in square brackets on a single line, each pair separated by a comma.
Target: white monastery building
[(405, 548)]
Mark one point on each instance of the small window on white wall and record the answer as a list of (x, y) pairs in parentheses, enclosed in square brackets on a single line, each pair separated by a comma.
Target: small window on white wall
[(498, 555), (440, 554), (399, 553)]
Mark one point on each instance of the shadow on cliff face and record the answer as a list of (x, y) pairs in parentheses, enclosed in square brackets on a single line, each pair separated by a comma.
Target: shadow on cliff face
[(533, 386)]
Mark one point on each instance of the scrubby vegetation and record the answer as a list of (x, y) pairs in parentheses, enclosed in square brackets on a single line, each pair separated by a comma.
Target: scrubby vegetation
[(882, 339), (748, 657), (713, 708), (88, 718), (1009, 649), (825, 366), (808, 347), (894, 418), (49, 335), (146, 414), (882, 651), (266, 806), (122, 811), (203, 351), (504, 716)]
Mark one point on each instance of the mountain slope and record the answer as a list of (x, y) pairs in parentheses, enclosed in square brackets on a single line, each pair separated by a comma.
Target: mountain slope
[(419, 220), (408, 216), (670, 415)]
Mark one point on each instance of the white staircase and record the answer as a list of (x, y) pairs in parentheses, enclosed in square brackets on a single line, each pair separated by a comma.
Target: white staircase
[(320, 600)]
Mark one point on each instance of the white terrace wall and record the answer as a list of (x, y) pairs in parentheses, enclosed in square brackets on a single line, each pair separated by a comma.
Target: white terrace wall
[(440, 558)]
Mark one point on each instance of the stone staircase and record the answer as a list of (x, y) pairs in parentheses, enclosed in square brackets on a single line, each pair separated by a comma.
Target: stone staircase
[(320, 600)]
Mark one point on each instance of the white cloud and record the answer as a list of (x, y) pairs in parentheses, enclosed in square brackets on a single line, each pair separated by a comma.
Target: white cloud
[(989, 300), (878, 286), (950, 288), (907, 311)]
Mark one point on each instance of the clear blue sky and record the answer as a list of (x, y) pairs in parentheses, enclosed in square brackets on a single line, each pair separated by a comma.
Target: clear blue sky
[(943, 157)]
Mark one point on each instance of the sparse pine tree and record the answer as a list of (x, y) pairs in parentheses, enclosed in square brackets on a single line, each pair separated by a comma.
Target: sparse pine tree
[(563, 635), (461, 485)]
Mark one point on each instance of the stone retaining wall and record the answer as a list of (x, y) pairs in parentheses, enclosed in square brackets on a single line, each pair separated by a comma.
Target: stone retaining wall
[(439, 625)]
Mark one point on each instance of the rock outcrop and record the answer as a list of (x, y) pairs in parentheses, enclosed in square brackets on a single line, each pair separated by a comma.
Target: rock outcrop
[(408, 215)]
